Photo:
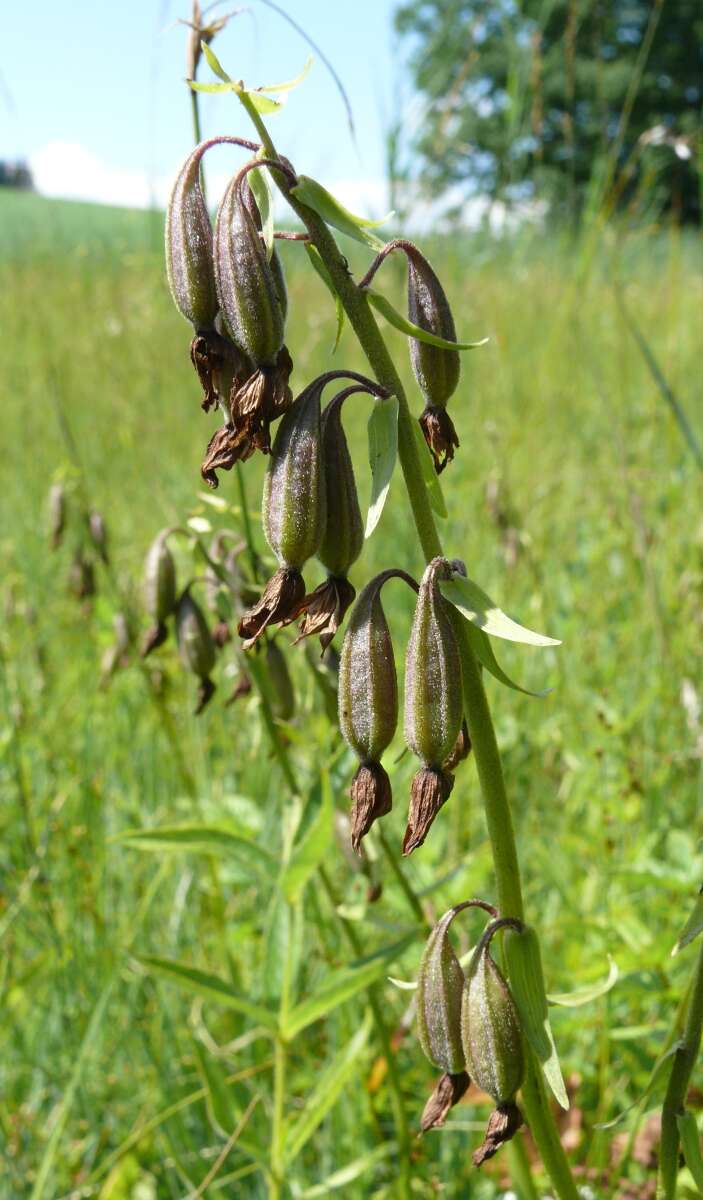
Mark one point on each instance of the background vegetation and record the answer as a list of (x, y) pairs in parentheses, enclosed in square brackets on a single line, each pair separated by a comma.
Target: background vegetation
[(576, 502)]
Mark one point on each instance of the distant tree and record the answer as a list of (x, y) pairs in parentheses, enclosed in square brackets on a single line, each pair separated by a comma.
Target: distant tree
[(566, 99), (16, 175)]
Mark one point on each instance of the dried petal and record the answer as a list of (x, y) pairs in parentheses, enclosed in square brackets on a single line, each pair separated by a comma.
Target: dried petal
[(219, 365), (324, 610), (225, 448), (371, 798), (154, 637), (430, 789), (448, 1092), (503, 1124), (461, 750), (279, 599), (440, 435), (260, 398)]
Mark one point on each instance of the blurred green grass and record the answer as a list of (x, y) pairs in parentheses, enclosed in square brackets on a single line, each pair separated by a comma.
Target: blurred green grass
[(576, 505)]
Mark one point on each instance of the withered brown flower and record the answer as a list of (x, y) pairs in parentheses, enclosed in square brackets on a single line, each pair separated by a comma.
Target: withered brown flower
[(324, 609), (371, 798), (448, 1092), (225, 448), (440, 435), (279, 601), (430, 789)]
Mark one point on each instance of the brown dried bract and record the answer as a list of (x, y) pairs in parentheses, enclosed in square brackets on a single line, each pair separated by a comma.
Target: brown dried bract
[(431, 788), (447, 1093), (279, 601), (462, 749), (324, 609), (503, 1124), (205, 692), (225, 448), (211, 354), (260, 399), (440, 435), (371, 798)]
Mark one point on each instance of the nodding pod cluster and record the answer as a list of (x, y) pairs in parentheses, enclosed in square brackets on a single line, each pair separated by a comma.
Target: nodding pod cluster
[(85, 531), (229, 285), (469, 1028)]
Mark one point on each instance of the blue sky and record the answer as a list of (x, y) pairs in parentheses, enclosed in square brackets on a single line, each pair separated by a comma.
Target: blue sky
[(92, 93)]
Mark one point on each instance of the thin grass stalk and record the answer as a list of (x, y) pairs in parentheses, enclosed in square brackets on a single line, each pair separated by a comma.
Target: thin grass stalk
[(497, 807), (677, 1087)]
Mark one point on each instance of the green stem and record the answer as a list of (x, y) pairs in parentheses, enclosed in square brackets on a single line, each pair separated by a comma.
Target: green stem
[(278, 1128), (675, 1098), (498, 816)]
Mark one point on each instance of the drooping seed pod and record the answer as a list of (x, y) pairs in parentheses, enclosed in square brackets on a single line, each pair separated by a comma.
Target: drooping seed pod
[(324, 609), (281, 693), (98, 533), (195, 645), (492, 1040), (368, 702), (250, 299), (81, 576), (57, 514), (116, 655), (436, 369), (433, 702), (159, 590)]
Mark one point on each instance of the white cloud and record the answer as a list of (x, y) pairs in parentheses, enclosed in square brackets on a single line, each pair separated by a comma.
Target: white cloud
[(67, 169)]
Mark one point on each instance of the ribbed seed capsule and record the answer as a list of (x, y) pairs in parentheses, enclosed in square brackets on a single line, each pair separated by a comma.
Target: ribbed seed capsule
[(159, 590), (189, 263), (324, 609), (440, 988), (436, 370), (492, 1041), (368, 702), (195, 645), (433, 702)]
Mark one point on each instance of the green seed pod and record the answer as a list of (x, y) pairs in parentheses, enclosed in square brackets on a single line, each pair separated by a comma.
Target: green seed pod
[(368, 687), (98, 533), (275, 263), (293, 506), (282, 695), (246, 287), (189, 264), (195, 645), (490, 1026), (159, 590), (343, 538), (440, 988), (433, 691), (436, 370)]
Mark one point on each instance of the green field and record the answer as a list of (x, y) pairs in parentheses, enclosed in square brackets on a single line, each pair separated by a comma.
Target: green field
[(575, 502)]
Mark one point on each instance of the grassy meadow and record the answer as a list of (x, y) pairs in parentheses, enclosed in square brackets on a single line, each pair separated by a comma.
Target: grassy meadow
[(575, 502)]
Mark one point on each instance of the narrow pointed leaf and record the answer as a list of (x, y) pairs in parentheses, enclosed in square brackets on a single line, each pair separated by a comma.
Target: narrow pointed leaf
[(524, 962), (477, 607), (429, 475), (585, 995), (214, 63), (326, 1092), (691, 1146), (312, 193), (483, 650), (213, 87), (200, 839), (350, 1172), (262, 104), (383, 449), (398, 321), (210, 987), (290, 83), (218, 1095), (341, 985), (693, 926), (310, 851), (314, 255)]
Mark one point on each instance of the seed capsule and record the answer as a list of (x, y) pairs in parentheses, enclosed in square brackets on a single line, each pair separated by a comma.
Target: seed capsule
[(57, 514), (368, 702), (98, 533), (159, 590), (433, 702), (189, 265), (195, 645), (293, 506), (440, 988)]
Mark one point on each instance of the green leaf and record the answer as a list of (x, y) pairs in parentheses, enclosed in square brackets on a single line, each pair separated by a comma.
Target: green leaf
[(326, 1092), (214, 87), (585, 995), (282, 948), (259, 183), (262, 104), (341, 985), (398, 321), (350, 1172), (210, 987), (477, 607), (314, 255), (691, 1146), (291, 83), (522, 955), (656, 1072), (693, 926), (218, 1095), (312, 193), (214, 63), (483, 650), (429, 475), (383, 449), (200, 839), (310, 851)]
